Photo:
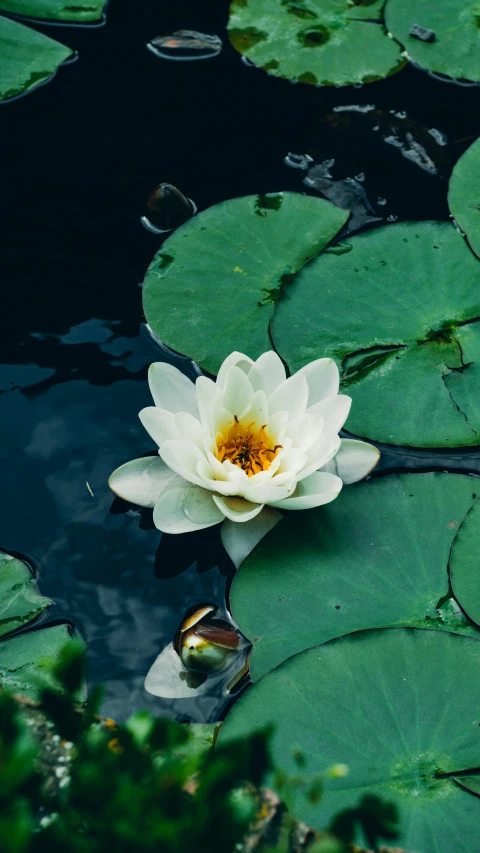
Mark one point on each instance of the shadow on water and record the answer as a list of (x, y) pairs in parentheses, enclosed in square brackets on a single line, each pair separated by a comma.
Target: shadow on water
[(82, 155)]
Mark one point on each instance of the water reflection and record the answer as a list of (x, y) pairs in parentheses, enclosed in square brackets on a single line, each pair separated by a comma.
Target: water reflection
[(167, 208)]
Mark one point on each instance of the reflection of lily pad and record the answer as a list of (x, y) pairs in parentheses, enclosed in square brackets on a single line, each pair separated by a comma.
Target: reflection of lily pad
[(455, 50), (397, 313), (27, 58), (375, 557), (464, 193), (326, 42), (23, 658), (400, 708), (56, 10), (20, 600), (217, 279), (465, 564)]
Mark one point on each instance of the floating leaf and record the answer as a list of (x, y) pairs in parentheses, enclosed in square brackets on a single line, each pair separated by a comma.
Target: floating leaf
[(455, 48), (24, 658), (27, 58), (217, 279), (400, 321), (465, 565), (464, 194), (400, 708), (20, 600), (471, 783), (56, 10), (375, 557), (325, 42)]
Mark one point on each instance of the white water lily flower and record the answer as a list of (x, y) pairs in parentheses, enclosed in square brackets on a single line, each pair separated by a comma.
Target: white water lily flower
[(239, 449)]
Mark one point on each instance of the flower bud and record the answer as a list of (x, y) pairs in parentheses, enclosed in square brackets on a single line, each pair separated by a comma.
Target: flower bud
[(167, 208)]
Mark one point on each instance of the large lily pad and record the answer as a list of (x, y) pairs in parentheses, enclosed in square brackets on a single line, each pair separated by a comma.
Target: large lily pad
[(455, 50), (27, 58), (217, 279), (326, 42), (397, 312), (464, 193), (400, 708), (376, 557), (25, 657), (465, 564), (56, 10), (20, 600)]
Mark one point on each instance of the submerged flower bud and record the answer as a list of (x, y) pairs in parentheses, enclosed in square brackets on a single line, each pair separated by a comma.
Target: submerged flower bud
[(167, 208)]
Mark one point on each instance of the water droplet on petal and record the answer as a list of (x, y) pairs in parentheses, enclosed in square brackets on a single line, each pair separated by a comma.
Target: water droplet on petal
[(185, 45)]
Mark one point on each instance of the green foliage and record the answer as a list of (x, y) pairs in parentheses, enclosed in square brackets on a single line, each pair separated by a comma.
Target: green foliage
[(145, 785), (455, 50), (218, 277), (401, 708), (400, 323), (345, 567), (56, 10), (326, 42), (464, 193), (27, 58), (20, 600)]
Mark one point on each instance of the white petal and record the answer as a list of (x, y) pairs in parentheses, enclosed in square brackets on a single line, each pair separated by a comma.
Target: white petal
[(207, 480), (293, 461), (334, 411), (183, 457), (208, 396), (190, 429), (320, 453), (305, 430), (167, 678), (199, 507), (235, 359), (317, 489), (291, 396), (269, 494), (159, 424), (237, 509), (353, 461), (256, 413), (277, 424), (142, 481), (323, 379), (171, 390), (240, 539), (267, 373), (237, 393), (169, 515)]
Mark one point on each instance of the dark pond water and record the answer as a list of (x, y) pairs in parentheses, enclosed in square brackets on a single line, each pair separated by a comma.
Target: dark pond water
[(80, 157)]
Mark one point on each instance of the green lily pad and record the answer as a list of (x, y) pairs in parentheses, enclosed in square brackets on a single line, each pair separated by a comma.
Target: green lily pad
[(465, 565), (400, 708), (20, 600), (325, 42), (24, 658), (470, 783), (376, 557), (27, 58), (464, 194), (455, 50), (217, 278), (399, 319), (56, 10)]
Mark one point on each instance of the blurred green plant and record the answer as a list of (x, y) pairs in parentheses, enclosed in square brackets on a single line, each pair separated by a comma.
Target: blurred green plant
[(70, 780)]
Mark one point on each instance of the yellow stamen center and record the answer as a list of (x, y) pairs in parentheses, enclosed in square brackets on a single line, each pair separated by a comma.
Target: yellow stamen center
[(247, 448)]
